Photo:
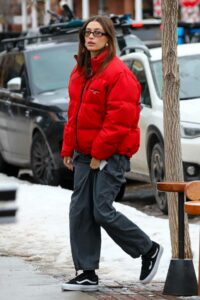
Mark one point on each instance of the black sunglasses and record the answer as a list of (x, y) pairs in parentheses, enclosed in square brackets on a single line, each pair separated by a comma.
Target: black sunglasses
[(96, 33)]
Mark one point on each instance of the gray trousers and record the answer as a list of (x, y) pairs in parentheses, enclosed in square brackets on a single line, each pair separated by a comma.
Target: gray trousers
[(91, 208)]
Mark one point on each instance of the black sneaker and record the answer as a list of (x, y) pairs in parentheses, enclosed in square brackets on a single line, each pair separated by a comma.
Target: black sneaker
[(150, 263), (83, 282)]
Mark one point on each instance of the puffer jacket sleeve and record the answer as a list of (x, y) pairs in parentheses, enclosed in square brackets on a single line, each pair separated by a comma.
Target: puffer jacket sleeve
[(70, 128), (122, 115), (69, 133)]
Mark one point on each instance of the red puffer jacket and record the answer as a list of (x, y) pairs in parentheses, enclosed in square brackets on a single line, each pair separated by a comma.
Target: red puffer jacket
[(103, 111)]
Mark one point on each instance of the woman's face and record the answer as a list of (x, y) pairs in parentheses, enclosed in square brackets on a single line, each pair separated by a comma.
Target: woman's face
[(95, 38)]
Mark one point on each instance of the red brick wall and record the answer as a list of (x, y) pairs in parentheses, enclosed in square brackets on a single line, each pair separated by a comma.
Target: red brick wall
[(78, 8), (15, 10), (111, 6)]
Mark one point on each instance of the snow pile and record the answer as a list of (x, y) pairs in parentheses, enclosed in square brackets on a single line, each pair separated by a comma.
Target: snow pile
[(41, 235)]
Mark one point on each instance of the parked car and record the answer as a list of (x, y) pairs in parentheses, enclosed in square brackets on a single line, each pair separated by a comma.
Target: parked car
[(33, 107), (148, 163), (34, 72), (6, 35)]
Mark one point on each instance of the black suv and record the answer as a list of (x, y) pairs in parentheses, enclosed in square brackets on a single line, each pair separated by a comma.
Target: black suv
[(33, 106), (34, 72)]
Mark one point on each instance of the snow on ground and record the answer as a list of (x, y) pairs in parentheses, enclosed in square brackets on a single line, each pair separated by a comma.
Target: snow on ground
[(41, 235)]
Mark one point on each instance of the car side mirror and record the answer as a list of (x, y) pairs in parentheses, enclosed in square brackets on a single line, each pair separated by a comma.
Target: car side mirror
[(14, 84)]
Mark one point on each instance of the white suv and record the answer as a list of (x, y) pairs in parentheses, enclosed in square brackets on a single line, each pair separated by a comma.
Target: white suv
[(148, 163)]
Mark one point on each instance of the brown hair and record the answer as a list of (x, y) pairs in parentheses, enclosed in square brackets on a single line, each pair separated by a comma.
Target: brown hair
[(84, 58)]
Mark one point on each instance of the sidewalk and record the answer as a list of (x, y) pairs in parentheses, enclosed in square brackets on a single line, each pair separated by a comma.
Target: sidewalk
[(20, 280)]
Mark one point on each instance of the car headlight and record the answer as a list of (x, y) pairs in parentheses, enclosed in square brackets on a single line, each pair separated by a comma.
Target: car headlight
[(58, 116), (63, 115), (190, 130)]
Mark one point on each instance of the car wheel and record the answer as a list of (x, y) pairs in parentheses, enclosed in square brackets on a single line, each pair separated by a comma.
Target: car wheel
[(8, 169), (42, 163), (157, 175)]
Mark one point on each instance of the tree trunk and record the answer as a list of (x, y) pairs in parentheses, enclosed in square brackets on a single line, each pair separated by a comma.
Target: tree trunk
[(171, 111)]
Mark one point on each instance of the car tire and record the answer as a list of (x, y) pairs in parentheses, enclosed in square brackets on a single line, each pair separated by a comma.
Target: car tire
[(42, 163), (157, 175), (8, 169)]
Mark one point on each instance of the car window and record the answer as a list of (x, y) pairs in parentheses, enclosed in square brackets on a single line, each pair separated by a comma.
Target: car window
[(189, 70), (12, 66), (139, 71), (50, 68)]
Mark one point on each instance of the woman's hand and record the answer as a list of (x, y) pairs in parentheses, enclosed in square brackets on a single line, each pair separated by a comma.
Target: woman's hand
[(68, 163), (95, 163)]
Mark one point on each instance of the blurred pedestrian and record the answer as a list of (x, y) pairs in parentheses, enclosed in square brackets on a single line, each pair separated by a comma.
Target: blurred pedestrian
[(65, 12), (99, 138)]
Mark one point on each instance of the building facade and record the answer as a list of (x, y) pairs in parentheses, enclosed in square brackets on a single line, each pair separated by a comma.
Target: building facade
[(116, 7), (22, 15)]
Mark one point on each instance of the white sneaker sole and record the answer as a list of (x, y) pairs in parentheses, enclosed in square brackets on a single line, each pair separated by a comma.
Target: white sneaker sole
[(155, 268), (79, 287)]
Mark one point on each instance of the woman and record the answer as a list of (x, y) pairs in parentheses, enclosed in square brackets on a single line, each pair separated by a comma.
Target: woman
[(99, 138)]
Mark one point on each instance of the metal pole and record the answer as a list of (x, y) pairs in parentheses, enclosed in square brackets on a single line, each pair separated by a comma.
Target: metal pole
[(34, 15), (85, 9), (101, 7), (24, 15), (70, 3), (138, 10), (47, 7), (181, 226)]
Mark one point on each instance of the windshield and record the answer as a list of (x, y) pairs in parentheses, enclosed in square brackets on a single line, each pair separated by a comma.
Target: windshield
[(49, 69), (189, 69)]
